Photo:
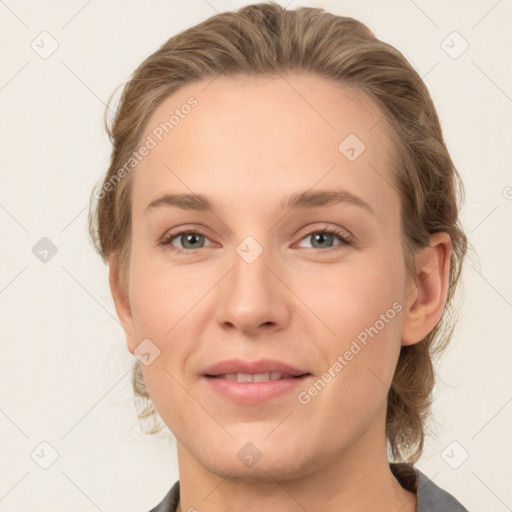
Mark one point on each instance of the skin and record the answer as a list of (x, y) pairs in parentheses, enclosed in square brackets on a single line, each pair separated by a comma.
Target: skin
[(248, 145)]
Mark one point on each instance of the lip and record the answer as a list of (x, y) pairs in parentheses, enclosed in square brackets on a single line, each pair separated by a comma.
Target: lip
[(252, 393), (259, 366)]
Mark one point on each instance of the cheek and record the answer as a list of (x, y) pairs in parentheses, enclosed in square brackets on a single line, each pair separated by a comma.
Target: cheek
[(353, 296), (160, 296), (162, 302), (361, 310)]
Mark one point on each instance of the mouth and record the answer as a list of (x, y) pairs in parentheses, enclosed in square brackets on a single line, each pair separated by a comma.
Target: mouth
[(250, 389), (256, 377), (253, 382)]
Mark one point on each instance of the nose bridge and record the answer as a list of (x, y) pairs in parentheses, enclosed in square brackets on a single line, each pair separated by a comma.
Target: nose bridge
[(251, 280), (252, 295)]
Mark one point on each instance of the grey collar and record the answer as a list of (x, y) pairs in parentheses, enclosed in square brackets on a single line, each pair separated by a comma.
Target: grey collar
[(431, 498)]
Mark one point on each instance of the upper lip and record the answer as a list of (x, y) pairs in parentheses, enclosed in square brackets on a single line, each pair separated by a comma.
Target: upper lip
[(253, 367)]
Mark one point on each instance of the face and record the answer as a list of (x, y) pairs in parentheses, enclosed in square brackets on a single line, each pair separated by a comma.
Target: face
[(317, 284)]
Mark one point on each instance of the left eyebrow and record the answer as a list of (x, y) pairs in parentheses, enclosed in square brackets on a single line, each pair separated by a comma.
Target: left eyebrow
[(317, 198), (299, 200)]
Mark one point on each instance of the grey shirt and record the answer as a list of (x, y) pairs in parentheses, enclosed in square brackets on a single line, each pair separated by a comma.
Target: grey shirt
[(431, 498)]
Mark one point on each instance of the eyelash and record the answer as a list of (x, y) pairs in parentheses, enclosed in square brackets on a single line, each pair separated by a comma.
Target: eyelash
[(342, 236)]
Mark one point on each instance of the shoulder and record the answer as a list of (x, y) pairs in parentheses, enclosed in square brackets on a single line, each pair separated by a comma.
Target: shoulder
[(431, 498), (170, 501)]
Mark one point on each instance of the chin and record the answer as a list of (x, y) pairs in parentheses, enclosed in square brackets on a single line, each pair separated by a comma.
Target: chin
[(267, 469), (257, 457)]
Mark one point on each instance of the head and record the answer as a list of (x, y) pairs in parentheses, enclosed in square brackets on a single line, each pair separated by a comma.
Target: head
[(250, 108)]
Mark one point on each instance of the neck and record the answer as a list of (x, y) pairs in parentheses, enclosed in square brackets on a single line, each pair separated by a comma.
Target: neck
[(357, 479)]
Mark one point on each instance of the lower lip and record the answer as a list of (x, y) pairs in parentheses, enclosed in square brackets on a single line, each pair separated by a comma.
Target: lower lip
[(254, 392)]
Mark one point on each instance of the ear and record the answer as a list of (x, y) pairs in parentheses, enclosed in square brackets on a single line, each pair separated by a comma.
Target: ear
[(121, 302), (427, 296)]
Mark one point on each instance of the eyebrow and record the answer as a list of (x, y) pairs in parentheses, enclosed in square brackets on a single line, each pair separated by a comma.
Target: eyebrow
[(300, 200)]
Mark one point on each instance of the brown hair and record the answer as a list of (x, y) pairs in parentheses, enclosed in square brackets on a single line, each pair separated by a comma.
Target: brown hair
[(267, 40)]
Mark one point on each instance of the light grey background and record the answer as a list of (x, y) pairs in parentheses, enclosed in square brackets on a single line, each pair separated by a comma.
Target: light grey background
[(64, 366)]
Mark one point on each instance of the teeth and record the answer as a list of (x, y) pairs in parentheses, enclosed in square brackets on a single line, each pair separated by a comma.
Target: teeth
[(261, 377), (244, 377), (256, 377)]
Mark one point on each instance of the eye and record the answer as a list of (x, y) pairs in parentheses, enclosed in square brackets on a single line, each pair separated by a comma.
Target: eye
[(327, 235), (193, 240), (190, 240)]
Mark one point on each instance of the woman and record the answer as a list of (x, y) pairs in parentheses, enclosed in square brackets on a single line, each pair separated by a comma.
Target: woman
[(280, 221)]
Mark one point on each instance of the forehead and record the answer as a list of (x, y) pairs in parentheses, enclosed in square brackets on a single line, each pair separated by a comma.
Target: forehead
[(264, 136)]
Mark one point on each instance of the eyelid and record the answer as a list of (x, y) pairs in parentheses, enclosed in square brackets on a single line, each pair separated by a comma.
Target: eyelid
[(343, 234), (168, 237), (345, 237)]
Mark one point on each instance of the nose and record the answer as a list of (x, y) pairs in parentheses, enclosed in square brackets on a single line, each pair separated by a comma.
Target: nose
[(253, 297)]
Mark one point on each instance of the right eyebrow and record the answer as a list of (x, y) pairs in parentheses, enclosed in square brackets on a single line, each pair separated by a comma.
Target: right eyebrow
[(196, 202)]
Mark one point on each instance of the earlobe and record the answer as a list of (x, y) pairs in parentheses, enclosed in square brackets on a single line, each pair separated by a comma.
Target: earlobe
[(121, 301), (427, 297)]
